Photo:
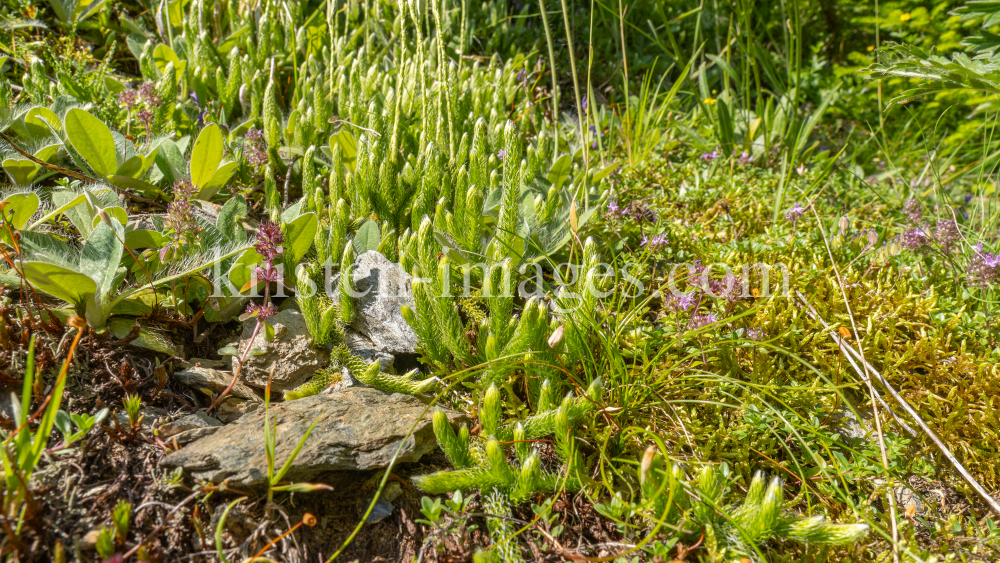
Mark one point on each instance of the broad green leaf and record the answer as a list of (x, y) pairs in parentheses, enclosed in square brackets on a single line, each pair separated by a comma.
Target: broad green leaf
[(65, 200), (240, 272), (292, 212), (117, 212), (170, 162), (47, 152), (164, 55), (219, 179), (61, 283), (206, 155), (126, 183), (299, 235), (604, 172), (70, 84), (80, 214), (133, 307), (122, 326), (228, 222), (560, 170), (21, 171), (148, 160), (348, 147), (93, 140), (23, 206), (101, 254), (37, 120), (87, 9), (135, 42), (367, 238), (131, 167), (113, 85), (143, 238), (164, 281)]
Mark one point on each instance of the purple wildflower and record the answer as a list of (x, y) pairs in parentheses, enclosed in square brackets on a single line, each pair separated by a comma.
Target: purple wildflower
[(194, 96), (256, 152), (796, 212), (149, 96), (946, 233), (727, 288), (180, 220), (755, 334), (501, 154), (128, 98), (269, 239), (655, 244), (583, 104), (145, 116), (266, 273), (984, 268), (915, 238), (695, 269), (681, 301), (263, 311), (613, 211), (185, 189), (701, 320), (745, 158), (913, 210), (710, 156)]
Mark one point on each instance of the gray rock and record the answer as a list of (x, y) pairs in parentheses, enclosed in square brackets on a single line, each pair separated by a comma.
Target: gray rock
[(358, 429), (362, 347), (189, 428), (188, 422), (848, 426), (188, 436), (382, 288), (200, 377), (291, 353), (232, 409)]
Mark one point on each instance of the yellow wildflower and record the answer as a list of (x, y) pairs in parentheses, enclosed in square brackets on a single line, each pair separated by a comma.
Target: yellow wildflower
[(710, 101)]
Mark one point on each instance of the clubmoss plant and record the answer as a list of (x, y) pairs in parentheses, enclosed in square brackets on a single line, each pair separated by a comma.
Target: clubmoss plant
[(484, 467)]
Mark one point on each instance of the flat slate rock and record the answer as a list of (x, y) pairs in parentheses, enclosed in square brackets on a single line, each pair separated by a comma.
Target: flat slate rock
[(201, 377), (292, 354), (359, 429)]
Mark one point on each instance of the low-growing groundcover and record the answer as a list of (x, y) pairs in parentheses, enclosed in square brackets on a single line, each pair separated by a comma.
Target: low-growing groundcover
[(706, 281)]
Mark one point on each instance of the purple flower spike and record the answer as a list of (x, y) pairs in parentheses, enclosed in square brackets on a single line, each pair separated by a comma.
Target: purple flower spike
[(701, 320), (681, 301), (269, 239), (913, 210), (796, 212)]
